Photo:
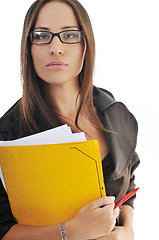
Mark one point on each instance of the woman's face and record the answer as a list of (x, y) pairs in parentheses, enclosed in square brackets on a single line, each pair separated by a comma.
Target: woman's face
[(56, 17)]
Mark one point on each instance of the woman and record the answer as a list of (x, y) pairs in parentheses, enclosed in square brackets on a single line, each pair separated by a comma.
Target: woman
[(57, 57)]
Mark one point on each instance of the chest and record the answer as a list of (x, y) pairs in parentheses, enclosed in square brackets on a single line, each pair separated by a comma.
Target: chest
[(93, 133)]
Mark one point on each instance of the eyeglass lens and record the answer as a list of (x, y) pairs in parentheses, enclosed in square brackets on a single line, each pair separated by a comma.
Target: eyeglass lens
[(44, 37)]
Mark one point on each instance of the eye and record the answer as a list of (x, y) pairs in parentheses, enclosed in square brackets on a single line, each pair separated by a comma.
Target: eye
[(70, 35), (43, 37)]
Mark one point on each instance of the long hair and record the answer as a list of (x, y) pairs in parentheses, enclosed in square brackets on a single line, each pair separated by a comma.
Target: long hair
[(33, 98)]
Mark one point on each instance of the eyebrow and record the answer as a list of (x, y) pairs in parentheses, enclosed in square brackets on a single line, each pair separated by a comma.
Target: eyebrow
[(46, 28)]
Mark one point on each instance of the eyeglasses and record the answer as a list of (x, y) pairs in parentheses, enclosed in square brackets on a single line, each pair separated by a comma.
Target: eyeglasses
[(46, 37)]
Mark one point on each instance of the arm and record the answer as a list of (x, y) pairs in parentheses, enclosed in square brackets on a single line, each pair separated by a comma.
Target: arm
[(126, 216), (90, 222), (23, 232), (125, 230), (126, 220)]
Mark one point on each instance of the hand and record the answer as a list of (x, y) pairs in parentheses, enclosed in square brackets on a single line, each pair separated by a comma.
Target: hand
[(96, 219), (119, 233)]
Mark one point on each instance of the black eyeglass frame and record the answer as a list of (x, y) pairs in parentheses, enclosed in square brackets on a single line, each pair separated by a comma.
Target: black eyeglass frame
[(56, 34)]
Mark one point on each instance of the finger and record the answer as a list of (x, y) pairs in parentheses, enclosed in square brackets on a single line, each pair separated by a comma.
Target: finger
[(101, 202), (116, 212)]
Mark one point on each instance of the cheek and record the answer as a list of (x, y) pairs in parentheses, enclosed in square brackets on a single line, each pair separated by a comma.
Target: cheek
[(33, 53), (38, 57), (79, 55)]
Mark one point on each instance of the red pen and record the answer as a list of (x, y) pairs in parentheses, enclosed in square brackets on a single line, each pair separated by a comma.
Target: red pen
[(126, 197)]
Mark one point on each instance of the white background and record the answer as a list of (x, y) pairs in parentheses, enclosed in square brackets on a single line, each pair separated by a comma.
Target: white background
[(127, 64)]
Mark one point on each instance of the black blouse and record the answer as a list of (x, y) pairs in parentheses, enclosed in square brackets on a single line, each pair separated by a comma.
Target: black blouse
[(118, 165)]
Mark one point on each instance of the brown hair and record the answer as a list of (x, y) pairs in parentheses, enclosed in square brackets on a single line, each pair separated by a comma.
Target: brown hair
[(33, 99)]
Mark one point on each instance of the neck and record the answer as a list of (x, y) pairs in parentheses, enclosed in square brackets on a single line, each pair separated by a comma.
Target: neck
[(64, 97)]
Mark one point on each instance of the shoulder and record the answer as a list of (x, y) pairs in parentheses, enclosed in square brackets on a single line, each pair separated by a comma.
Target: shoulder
[(122, 129), (9, 122), (102, 98), (106, 104)]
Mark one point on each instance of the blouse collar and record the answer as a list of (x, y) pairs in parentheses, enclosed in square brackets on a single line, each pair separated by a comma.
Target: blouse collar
[(123, 129)]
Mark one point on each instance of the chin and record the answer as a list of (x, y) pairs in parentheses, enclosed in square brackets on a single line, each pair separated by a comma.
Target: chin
[(55, 81)]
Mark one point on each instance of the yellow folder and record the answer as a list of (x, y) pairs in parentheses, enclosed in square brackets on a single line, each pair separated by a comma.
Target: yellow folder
[(48, 184)]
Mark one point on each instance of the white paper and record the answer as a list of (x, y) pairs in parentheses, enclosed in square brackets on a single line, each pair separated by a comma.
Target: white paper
[(56, 135), (1, 176)]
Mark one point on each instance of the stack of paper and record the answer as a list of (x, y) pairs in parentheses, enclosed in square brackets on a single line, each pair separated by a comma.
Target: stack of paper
[(49, 176), (56, 135)]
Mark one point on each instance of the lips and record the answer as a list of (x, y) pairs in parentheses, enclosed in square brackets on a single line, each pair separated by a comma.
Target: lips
[(57, 65)]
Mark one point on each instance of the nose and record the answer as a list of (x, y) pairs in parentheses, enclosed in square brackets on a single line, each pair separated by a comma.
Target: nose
[(56, 46)]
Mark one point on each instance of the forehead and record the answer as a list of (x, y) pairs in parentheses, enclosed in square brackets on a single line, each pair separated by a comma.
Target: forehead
[(56, 15)]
